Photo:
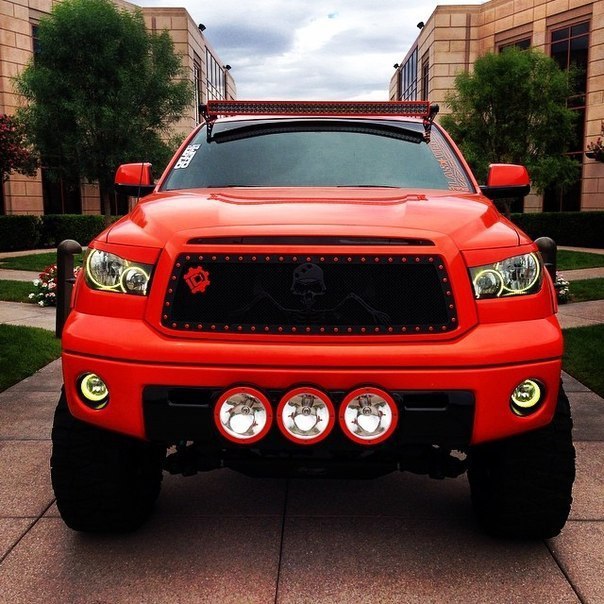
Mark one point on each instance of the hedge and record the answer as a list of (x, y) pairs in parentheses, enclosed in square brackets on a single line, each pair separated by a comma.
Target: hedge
[(578, 229), (581, 229), (82, 228), (31, 232), (20, 232)]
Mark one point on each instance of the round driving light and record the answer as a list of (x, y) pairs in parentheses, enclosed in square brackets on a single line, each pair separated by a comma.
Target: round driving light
[(368, 416), (243, 415), (526, 397), (305, 416), (94, 391)]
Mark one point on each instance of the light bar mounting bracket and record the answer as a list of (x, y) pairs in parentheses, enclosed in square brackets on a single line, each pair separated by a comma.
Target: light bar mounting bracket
[(418, 109)]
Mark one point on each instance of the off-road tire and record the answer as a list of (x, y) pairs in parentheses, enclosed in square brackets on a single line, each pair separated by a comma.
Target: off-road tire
[(522, 486), (103, 482)]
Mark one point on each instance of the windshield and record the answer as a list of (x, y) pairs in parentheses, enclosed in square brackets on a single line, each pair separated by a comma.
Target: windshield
[(325, 153)]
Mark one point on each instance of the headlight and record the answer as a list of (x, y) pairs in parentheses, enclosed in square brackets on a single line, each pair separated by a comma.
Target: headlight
[(107, 272), (510, 277)]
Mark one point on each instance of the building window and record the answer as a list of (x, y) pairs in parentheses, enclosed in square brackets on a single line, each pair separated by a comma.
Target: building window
[(522, 44), (425, 77), (62, 195), (197, 87), (216, 79), (35, 40), (569, 46), (409, 78)]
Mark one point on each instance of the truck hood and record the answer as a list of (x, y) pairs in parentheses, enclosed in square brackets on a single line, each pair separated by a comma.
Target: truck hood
[(470, 220)]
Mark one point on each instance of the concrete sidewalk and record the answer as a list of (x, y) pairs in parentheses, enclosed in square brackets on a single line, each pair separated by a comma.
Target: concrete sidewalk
[(29, 315), (13, 275), (221, 537)]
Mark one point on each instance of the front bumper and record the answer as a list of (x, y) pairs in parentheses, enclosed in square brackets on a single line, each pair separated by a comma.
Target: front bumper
[(486, 362), (425, 417)]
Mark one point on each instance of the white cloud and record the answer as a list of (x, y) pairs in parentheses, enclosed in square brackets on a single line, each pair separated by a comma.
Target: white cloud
[(310, 49)]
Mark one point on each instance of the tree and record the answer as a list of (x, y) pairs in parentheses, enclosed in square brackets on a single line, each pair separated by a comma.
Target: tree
[(512, 109), (15, 154), (101, 91)]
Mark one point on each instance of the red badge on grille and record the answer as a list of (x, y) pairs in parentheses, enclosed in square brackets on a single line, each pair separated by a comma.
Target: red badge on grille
[(197, 279)]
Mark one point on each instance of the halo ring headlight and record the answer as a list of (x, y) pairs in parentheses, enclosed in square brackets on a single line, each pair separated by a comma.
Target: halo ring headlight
[(488, 282), (520, 273), (109, 272), (134, 280), (368, 416), (513, 276), (306, 415)]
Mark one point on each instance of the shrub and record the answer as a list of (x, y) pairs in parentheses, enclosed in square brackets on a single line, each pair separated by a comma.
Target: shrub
[(19, 232), (82, 228), (579, 229), (31, 232)]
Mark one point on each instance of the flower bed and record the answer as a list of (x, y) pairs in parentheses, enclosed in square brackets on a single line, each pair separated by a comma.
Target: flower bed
[(45, 293)]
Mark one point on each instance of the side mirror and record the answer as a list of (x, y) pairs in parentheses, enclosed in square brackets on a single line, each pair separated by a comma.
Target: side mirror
[(134, 179), (506, 180)]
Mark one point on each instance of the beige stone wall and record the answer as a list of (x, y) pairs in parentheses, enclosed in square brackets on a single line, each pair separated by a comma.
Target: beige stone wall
[(188, 41), (23, 195), (593, 172), (454, 36), (178, 22)]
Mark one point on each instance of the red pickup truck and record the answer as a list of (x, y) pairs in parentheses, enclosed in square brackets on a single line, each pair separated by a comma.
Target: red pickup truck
[(315, 289)]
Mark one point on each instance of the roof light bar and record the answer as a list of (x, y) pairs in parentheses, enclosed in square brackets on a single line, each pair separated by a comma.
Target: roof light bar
[(320, 108)]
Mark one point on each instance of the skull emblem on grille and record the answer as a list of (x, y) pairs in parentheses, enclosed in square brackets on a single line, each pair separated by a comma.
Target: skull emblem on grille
[(308, 282)]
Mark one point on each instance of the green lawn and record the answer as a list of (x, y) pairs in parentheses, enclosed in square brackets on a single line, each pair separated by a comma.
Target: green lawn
[(587, 289), (24, 350), (572, 260), (34, 262), (15, 291), (584, 356)]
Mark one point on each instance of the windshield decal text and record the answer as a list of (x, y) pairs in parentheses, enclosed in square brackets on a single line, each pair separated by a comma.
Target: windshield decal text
[(187, 155)]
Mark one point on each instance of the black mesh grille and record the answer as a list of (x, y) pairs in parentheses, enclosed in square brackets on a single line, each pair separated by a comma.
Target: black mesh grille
[(310, 294)]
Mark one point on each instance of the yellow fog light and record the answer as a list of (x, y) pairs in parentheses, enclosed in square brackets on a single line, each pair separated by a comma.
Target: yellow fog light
[(526, 397), (94, 391)]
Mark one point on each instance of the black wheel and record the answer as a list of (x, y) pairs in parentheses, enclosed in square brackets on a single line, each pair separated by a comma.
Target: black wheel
[(103, 482), (522, 486)]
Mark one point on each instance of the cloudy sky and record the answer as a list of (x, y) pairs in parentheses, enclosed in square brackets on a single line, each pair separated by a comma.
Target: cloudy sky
[(310, 49)]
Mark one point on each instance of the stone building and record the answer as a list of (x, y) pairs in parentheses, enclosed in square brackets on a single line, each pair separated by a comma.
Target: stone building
[(570, 31), (18, 24)]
